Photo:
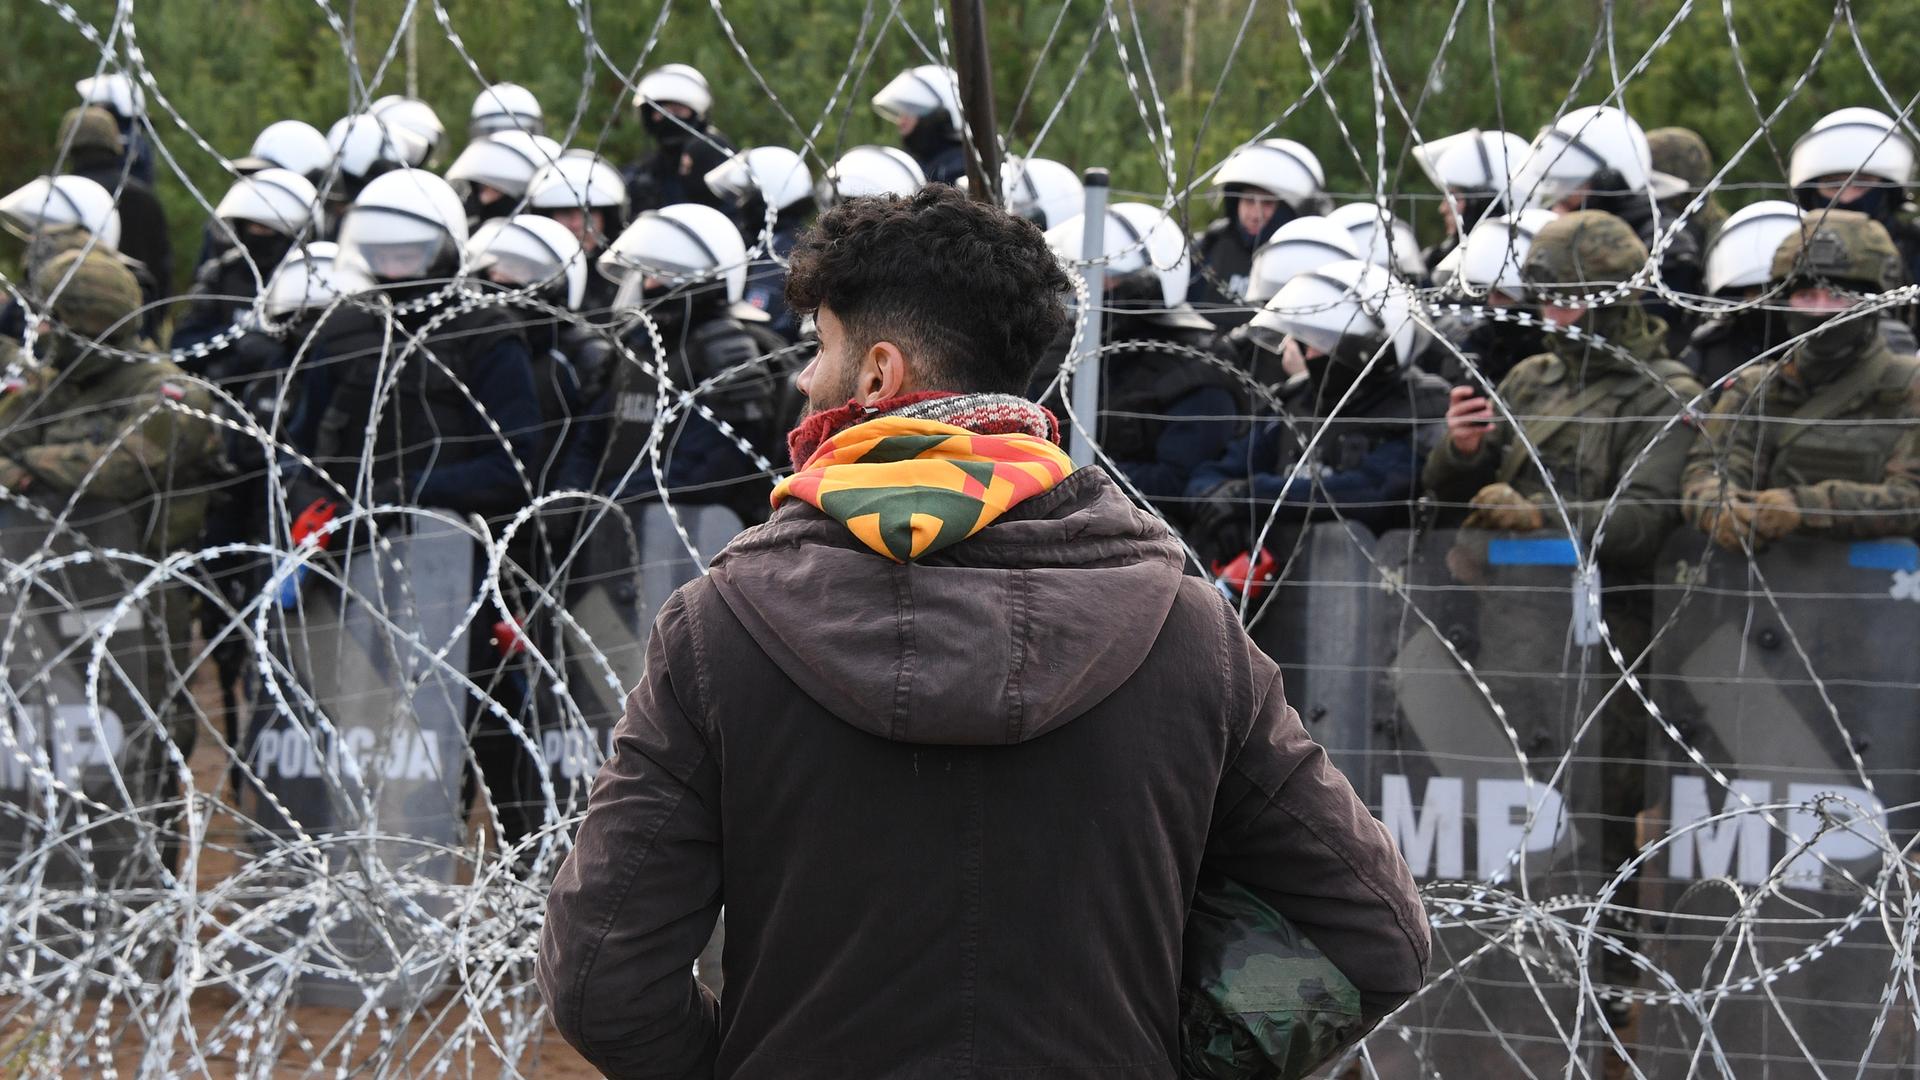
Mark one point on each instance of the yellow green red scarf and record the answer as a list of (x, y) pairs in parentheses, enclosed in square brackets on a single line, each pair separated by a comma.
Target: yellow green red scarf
[(908, 486)]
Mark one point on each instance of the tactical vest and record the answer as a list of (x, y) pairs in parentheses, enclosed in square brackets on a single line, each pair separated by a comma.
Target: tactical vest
[(746, 399), (1572, 427), (426, 414), (1803, 446)]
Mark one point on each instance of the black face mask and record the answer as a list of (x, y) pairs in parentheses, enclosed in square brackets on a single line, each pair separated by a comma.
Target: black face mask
[(478, 211), (266, 251), (1501, 345), (1333, 374), (930, 136), (1831, 346), (664, 129), (1877, 203)]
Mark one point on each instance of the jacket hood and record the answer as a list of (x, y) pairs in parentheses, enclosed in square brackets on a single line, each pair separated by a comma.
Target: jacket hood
[(995, 640)]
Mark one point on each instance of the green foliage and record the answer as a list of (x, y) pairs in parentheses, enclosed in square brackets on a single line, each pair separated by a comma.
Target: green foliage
[(232, 66)]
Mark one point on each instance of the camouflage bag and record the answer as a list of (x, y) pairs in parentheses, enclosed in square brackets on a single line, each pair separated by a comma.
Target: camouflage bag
[(1258, 1001)]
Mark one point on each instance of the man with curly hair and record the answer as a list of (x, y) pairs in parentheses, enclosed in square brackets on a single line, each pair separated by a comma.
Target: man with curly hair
[(951, 736)]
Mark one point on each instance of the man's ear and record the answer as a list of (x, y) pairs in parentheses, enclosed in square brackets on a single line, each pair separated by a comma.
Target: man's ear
[(883, 374)]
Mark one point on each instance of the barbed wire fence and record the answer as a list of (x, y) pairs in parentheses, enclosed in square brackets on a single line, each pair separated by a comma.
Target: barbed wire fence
[(300, 873)]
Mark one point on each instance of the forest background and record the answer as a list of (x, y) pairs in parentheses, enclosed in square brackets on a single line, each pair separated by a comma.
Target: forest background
[(1748, 75)]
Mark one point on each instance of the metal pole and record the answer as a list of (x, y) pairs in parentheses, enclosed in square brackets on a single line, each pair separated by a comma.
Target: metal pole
[(976, 99), (413, 54), (1086, 374)]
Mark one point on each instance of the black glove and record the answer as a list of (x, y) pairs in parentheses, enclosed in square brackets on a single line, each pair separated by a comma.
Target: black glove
[(1223, 522)]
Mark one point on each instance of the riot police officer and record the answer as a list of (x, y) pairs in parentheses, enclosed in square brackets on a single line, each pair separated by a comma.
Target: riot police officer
[(1859, 159), (458, 419), (1367, 412), (1738, 265), (264, 214), (364, 147), (1474, 171), (1165, 408), (1301, 246), (869, 170), (674, 101), (1261, 187), (1824, 441), (505, 107), (684, 266), (493, 173), (584, 193), (293, 145), (770, 191), (1486, 271), (539, 262), (924, 103)]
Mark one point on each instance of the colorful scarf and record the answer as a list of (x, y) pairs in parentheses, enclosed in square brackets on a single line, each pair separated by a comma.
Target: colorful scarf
[(921, 474)]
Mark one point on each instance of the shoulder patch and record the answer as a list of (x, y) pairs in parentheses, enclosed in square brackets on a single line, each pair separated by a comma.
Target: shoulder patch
[(173, 391)]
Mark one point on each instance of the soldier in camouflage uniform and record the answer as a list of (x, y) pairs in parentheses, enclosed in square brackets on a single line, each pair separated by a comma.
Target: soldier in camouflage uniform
[(1591, 413), (1632, 388), (1681, 152), (1824, 441), (91, 424)]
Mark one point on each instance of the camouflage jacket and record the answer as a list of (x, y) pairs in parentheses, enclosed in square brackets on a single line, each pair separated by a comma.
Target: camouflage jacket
[(131, 433), (1848, 449), (1588, 431)]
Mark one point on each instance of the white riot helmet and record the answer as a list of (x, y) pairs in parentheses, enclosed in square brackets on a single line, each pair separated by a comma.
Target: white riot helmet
[(293, 145), (280, 199), (921, 91), (1598, 147), (1741, 254), (1381, 237), (360, 143), (1043, 191), (675, 84), (682, 244), (113, 91), (506, 161), (405, 225), (1479, 165), (1861, 143), (506, 107), (581, 182), (1347, 299), (528, 250), (1138, 236), (1301, 245), (414, 115), (870, 170), (57, 201), (311, 277), (1491, 256), (1281, 167), (774, 172)]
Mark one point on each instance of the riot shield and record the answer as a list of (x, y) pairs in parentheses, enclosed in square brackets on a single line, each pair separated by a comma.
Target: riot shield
[(1487, 666), (1315, 623), (357, 752), (1795, 678), (83, 755), (625, 568)]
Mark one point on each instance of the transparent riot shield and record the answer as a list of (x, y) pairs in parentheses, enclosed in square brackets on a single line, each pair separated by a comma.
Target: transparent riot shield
[(357, 755), (1487, 666), (1795, 680), (84, 768), (626, 567), (1315, 622)]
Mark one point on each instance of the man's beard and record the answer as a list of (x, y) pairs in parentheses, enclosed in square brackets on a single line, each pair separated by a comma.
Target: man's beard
[(832, 395)]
